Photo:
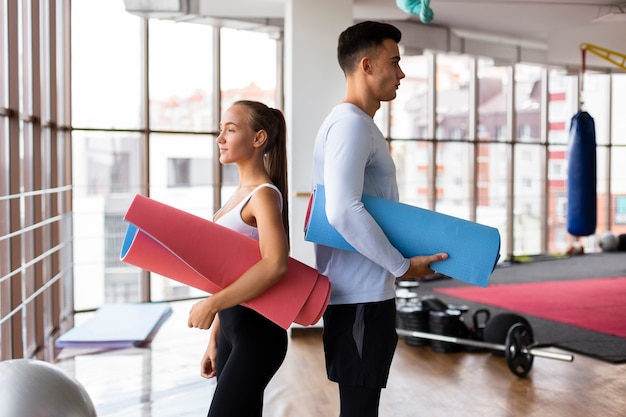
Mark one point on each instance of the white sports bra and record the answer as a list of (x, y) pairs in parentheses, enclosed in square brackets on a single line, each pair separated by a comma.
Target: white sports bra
[(232, 219)]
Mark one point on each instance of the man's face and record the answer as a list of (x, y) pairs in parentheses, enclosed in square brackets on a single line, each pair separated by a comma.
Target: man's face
[(386, 71)]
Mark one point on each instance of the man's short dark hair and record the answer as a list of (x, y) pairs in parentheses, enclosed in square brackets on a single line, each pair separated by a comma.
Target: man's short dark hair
[(357, 39)]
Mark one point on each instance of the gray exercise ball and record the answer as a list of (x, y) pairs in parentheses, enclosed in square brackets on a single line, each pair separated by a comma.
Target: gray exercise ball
[(33, 388), (608, 242)]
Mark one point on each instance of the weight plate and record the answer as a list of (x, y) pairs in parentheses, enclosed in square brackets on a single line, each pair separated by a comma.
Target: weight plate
[(497, 327), (519, 339)]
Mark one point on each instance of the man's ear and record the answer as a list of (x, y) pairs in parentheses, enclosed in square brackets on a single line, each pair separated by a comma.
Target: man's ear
[(260, 138), (366, 65)]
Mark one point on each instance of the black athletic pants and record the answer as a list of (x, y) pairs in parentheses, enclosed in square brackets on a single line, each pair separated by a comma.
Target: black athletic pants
[(251, 349)]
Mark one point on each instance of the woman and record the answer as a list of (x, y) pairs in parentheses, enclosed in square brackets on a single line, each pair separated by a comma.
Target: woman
[(245, 349)]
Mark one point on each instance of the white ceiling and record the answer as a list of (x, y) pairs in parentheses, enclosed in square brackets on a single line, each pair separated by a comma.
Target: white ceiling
[(525, 19), (554, 27)]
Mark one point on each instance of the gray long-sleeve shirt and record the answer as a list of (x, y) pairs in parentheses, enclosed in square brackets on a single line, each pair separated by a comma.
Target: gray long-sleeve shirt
[(350, 158)]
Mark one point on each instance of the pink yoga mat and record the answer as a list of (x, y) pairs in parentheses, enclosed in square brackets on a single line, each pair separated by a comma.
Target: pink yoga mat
[(208, 256)]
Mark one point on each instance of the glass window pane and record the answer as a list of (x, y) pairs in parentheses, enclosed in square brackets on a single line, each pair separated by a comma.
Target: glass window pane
[(618, 189), (492, 105), (181, 74), (106, 65), (492, 180), (181, 175), (528, 87), (409, 110), (453, 174), (596, 89), (453, 78), (527, 200), (107, 170), (562, 105), (411, 159), (602, 224), (248, 67), (618, 131), (557, 199)]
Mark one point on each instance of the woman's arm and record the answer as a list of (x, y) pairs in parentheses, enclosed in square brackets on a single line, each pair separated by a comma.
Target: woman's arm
[(264, 209)]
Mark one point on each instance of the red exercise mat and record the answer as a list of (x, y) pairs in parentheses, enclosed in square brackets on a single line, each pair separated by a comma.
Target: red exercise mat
[(207, 256), (594, 304)]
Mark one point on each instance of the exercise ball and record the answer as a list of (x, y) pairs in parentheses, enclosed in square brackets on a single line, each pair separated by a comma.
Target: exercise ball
[(33, 388), (497, 328), (608, 242)]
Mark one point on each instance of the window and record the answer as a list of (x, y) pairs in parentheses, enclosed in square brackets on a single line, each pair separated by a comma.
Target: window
[(188, 172), (114, 232), (620, 210)]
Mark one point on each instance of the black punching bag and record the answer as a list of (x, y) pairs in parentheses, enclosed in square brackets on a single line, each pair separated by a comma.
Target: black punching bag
[(581, 176)]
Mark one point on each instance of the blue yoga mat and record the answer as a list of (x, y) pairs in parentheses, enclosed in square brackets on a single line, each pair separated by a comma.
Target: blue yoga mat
[(473, 248), (118, 326)]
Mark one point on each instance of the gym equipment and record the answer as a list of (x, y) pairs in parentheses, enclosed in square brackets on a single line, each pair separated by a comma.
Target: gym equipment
[(581, 176), (434, 304), (31, 387), (518, 347), (608, 242), (473, 248), (447, 323), (208, 256), (477, 329), (116, 326), (496, 328), (518, 357), (479, 320)]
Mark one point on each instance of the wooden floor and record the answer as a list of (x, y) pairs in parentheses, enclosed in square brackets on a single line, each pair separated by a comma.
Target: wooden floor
[(164, 380)]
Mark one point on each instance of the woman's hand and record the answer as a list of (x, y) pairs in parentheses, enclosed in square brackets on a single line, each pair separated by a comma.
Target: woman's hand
[(202, 314), (207, 364)]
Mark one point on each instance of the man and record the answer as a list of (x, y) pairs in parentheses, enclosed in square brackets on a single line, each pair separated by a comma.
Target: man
[(351, 157)]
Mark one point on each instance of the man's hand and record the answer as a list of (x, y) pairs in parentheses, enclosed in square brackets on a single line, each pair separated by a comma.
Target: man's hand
[(420, 265)]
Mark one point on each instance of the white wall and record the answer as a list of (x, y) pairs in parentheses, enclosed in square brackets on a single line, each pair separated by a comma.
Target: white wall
[(314, 83)]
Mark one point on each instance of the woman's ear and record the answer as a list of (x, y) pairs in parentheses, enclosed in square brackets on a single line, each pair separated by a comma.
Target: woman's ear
[(260, 138)]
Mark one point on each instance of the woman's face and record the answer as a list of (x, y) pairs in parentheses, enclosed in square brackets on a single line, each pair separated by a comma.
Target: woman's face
[(236, 138)]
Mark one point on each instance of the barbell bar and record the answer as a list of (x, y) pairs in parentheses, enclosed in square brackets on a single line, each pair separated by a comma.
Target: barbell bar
[(518, 348)]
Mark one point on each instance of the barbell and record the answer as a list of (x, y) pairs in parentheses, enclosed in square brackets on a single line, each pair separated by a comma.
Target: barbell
[(518, 348)]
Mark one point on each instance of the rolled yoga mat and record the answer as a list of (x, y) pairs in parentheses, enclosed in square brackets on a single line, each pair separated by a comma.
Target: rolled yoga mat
[(117, 326), (208, 256), (473, 249)]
